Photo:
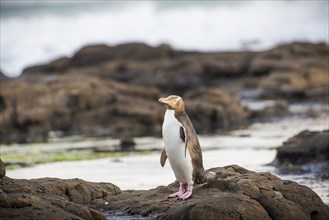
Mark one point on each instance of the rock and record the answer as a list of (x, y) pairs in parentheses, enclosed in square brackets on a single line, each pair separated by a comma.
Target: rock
[(95, 54), (88, 105), (272, 109), (69, 103), (289, 58), (127, 144), (51, 198), (113, 90), (235, 193), (291, 71), (213, 110), (55, 66), (178, 71), (3, 104), (294, 86), (3, 77), (2, 169), (308, 148)]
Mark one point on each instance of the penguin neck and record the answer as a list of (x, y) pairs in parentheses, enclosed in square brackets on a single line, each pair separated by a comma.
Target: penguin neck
[(170, 113), (170, 117)]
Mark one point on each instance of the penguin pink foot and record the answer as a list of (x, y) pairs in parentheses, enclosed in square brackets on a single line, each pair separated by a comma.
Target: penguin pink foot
[(187, 194), (181, 192)]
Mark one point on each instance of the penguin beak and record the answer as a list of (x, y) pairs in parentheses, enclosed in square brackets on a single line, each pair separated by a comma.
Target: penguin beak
[(163, 100)]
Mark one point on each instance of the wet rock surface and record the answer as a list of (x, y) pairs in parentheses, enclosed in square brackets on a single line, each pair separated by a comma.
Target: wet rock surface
[(235, 193), (113, 91), (52, 198), (304, 152)]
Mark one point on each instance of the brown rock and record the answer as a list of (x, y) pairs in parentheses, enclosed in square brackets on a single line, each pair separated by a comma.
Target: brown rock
[(308, 148), (95, 54), (276, 109), (89, 105), (295, 57), (213, 109), (55, 66), (292, 71), (51, 198), (235, 193), (113, 91), (2, 169), (3, 77)]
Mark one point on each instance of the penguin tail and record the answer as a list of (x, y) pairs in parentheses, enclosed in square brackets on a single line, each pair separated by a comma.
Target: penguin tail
[(209, 175)]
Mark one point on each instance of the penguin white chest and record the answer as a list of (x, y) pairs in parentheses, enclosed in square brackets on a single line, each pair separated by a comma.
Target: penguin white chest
[(175, 148)]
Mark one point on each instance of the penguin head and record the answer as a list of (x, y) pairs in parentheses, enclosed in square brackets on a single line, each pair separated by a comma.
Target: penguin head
[(173, 102)]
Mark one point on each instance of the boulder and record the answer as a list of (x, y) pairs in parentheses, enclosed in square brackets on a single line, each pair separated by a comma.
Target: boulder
[(214, 109), (235, 193), (306, 151), (271, 109), (52, 198), (2, 169)]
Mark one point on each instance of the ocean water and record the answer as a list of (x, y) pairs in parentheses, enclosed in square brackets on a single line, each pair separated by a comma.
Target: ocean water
[(34, 32)]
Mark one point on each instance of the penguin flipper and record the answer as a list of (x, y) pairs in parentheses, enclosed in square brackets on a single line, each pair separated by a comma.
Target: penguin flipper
[(163, 157), (183, 137)]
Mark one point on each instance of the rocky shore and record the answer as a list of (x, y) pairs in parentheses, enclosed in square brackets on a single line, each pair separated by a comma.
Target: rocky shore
[(235, 193), (113, 90)]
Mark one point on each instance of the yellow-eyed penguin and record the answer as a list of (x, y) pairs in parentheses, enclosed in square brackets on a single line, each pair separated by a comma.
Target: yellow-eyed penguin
[(182, 147)]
